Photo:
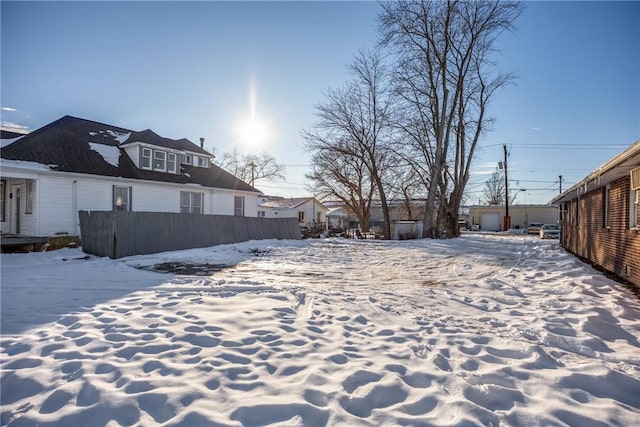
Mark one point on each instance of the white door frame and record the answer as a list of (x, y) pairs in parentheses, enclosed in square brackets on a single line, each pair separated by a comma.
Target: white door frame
[(16, 196)]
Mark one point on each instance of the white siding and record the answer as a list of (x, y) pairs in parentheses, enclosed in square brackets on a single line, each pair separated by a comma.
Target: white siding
[(250, 204), (150, 197), (28, 222), (311, 211), (278, 212), (59, 196), (55, 206), (223, 203), (134, 154)]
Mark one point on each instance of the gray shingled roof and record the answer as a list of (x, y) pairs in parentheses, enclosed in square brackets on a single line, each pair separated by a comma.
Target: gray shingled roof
[(66, 145)]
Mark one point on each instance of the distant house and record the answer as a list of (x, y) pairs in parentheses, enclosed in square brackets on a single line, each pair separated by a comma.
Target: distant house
[(406, 217), (490, 217), (308, 210), (341, 216), (73, 164), (600, 219)]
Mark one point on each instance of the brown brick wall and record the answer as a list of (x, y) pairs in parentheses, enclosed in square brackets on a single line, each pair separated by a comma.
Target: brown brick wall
[(615, 248)]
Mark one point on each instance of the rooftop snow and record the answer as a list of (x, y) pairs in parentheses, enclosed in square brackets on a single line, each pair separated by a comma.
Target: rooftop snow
[(25, 164), (109, 153)]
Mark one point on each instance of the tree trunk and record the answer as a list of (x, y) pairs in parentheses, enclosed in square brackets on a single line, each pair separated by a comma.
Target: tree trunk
[(386, 230)]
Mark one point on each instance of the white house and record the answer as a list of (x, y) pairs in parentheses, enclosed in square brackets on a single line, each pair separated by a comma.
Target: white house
[(73, 164), (309, 211)]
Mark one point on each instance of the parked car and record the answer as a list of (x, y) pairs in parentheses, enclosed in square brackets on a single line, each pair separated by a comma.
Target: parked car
[(550, 231), (534, 228)]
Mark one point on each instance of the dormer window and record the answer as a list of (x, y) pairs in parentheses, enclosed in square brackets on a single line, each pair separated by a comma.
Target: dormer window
[(171, 163), (190, 159), (159, 160), (146, 158)]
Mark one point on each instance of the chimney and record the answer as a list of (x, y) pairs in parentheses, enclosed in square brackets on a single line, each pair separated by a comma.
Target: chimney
[(202, 143)]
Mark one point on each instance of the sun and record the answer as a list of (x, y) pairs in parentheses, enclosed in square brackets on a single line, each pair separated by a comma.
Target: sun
[(253, 132), (252, 129)]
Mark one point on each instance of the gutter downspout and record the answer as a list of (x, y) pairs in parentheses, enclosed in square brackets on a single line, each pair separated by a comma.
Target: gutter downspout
[(74, 206)]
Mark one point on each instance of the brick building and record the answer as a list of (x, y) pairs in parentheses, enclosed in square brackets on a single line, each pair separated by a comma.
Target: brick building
[(600, 219)]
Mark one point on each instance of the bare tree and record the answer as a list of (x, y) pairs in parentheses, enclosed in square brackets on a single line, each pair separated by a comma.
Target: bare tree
[(336, 176), (404, 185), (446, 80), (353, 123), (493, 193), (252, 167)]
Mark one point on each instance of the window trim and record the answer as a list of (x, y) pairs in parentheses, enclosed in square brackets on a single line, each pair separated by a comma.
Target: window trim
[(174, 162), (301, 216), (148, 158), (238, 210), (634, 208), (191, 206), (3, 200), (128, 205), (29, 196), (164, 160), (607, 206)]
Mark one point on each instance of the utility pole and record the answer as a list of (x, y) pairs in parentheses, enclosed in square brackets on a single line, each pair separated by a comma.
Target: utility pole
[(560, 184), (253, 168), (507, 219)]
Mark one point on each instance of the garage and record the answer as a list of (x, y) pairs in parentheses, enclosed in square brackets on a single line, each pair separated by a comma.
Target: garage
[(490, 221)]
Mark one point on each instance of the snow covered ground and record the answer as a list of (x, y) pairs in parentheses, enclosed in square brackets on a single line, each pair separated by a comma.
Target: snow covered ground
[(480, 330)]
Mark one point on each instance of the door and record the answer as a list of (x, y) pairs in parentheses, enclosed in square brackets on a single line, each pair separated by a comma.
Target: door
[(16, 192), (490, 221)]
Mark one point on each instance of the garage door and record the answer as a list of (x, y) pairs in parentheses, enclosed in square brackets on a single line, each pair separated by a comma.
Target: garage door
[(490, 221)]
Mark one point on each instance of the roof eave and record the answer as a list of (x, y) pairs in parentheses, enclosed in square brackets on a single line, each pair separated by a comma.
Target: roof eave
[(610, 171)]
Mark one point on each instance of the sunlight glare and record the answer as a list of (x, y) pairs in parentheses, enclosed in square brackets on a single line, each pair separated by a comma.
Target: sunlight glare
[(252, 130)]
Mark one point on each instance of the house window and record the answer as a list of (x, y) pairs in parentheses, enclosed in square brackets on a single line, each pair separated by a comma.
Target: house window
[(606, 213), (159, 160), (261, 214), (191, 202), (146, 158), (28, 203), (186, 159), (203, 162), (238, 206), (300, 216), (171, 163), (633, 208), (3, 199), (121, 198)]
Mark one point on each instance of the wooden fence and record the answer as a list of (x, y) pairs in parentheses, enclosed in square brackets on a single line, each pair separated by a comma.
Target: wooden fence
[(117, 234)]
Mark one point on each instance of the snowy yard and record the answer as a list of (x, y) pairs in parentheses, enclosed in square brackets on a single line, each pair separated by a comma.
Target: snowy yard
[(480, 330)]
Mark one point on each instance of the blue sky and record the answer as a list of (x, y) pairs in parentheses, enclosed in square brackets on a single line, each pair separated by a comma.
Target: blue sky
[(192, 69)]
